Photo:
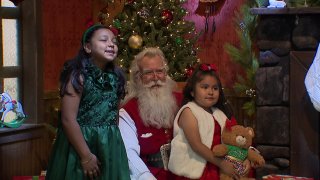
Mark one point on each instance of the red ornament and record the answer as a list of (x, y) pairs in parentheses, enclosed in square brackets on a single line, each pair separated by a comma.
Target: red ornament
[(189, 72), (166, 16)]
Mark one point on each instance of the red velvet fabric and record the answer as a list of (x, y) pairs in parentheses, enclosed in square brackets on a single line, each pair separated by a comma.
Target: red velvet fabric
[(152, 144)]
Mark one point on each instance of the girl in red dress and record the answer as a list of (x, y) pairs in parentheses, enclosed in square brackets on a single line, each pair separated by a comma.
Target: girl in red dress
[(197, 128)]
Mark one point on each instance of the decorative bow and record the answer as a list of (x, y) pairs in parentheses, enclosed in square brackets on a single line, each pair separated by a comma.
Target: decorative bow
[(89, 22), (230, 123), (114, 30), (208, 67)]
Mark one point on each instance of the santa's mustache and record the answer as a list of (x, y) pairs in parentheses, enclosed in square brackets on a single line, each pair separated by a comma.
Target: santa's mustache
[(154, 83)]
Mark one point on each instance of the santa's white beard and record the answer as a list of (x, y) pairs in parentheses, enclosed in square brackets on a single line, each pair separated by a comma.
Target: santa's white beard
[(157, 106)]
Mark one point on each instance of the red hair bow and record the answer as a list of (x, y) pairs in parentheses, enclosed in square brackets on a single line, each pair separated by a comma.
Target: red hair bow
[(230, 123), (208, 67), (114, 30)]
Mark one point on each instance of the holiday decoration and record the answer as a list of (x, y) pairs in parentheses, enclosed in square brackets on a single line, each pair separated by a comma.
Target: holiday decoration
[(189, 72), (235, 148), (107, 9), (179, 40), (166, 16), (154, 23), (209, 8), (144, 13), (12, 112), (244, 55), (117, 23), (135, 41)]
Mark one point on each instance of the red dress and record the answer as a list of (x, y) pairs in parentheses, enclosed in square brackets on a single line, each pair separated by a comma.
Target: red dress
[(211, 172)]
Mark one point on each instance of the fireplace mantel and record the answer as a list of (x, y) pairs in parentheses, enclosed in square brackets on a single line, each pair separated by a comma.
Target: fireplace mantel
[(286, 11)]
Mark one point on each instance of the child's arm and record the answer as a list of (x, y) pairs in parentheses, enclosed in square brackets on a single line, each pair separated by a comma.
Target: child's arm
[(69, 111), (188, 123)]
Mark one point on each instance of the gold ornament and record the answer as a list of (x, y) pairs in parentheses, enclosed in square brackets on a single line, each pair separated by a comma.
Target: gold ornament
[(135, 41)]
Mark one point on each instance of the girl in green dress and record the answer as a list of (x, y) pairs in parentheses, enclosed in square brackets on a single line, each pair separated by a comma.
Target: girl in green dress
[(88, 143)]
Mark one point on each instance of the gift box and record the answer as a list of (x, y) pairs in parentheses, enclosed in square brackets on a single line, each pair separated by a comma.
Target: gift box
[(284, 177)]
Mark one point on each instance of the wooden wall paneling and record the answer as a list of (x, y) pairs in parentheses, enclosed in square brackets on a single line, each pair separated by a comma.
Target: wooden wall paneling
[(24, 151)]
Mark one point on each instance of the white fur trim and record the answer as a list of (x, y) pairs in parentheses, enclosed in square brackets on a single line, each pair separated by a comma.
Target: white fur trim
[(183, 160)]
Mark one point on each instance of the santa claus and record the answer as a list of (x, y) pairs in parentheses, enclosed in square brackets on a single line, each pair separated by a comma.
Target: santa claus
[(147, 115)]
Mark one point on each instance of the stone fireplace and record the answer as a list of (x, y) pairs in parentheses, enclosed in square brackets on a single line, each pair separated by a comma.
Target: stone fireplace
[(287, 125)]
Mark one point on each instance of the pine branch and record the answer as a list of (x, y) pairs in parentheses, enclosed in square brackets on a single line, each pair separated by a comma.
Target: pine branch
[(244, 55)]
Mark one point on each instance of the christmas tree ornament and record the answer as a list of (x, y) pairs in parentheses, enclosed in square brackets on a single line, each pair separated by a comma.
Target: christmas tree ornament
[(135, 41), (179, 40), (144, 13), (189, 71), (166, 16), (117, 23), (159, 23)]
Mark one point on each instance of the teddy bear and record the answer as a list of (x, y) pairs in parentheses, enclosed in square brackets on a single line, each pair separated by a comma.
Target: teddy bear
[(236, 147)]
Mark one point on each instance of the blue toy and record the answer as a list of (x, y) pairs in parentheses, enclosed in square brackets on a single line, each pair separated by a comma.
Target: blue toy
[(7, 105)]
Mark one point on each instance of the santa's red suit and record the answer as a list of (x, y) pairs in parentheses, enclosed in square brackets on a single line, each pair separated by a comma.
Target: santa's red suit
[(143, 143)]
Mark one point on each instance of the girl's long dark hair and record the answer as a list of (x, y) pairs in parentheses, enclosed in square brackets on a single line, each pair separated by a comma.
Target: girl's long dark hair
[(196, 77), (73, 69)]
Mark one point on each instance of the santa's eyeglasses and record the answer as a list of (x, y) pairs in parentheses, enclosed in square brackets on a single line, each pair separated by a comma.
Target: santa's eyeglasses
[(155, 72)]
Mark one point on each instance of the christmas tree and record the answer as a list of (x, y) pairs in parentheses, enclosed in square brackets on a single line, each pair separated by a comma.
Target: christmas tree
[(244, 54), (157, 23)]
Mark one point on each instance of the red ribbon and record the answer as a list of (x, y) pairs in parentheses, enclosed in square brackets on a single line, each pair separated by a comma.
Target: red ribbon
[(208, 67), (114, 30), (230, 123)]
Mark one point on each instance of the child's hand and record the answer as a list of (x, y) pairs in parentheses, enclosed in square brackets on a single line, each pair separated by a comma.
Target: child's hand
[(247, 165), (229, 169), (91, 167)]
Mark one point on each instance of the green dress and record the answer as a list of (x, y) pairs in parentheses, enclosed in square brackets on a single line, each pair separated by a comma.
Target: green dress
[(97, 117)]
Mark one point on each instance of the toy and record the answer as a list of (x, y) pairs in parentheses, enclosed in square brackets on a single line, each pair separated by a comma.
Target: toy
[(8, 105), (235, 148), (276, 4)]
